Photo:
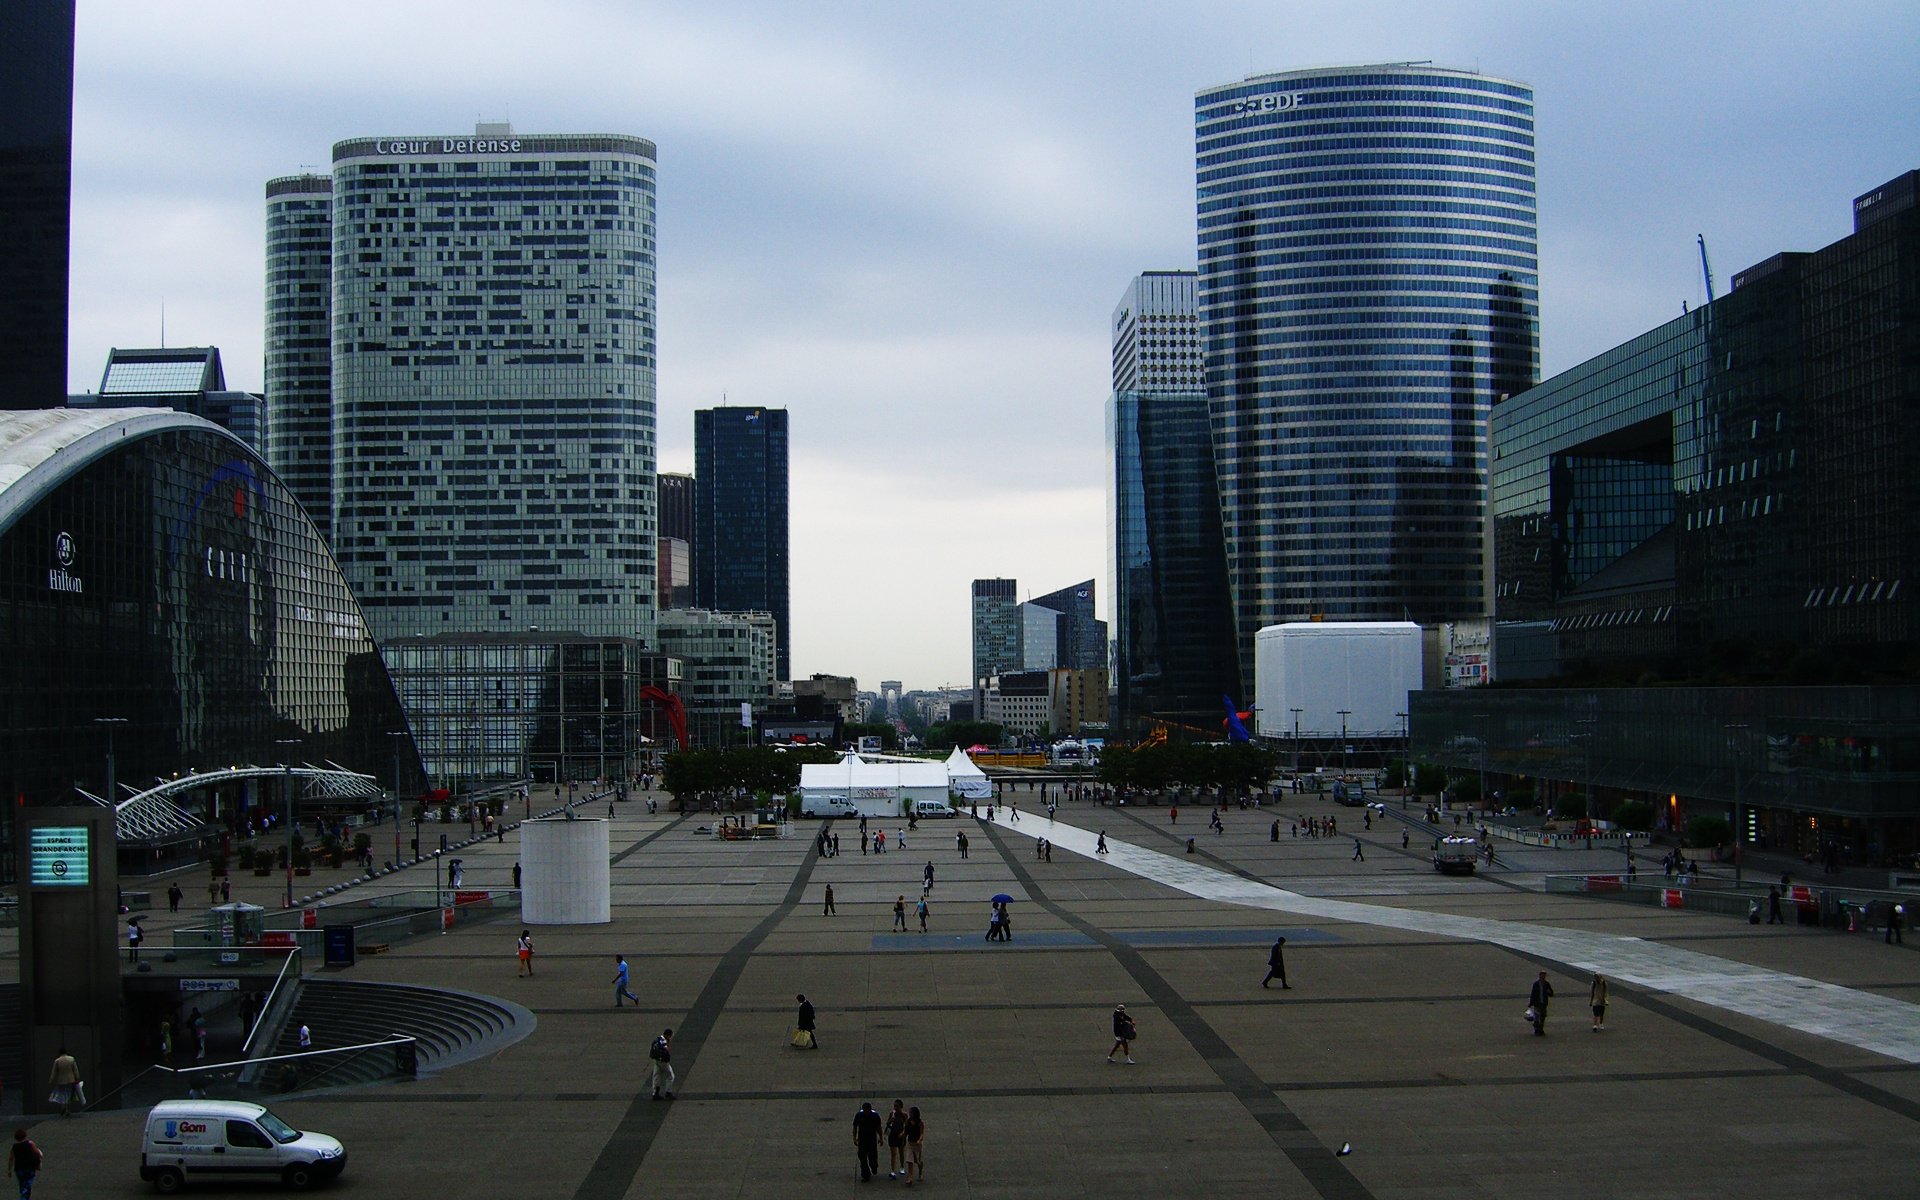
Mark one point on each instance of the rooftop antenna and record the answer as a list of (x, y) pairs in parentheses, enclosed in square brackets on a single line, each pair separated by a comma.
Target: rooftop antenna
[(1704, 268), (163, 322)]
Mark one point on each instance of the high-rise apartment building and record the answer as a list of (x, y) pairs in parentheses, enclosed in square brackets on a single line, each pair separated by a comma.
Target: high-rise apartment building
[(1367, 290), (36, 169), (299, 340), (492, 381), (1173, 644), (740, 516)]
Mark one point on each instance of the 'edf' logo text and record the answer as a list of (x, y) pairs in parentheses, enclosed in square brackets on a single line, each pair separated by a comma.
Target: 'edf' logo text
[(1275, 102)]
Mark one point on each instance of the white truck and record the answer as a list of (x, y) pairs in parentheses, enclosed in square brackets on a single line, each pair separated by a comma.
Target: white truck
[(194, 1141)]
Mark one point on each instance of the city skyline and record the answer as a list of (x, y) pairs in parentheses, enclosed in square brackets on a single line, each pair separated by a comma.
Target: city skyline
[(908, 228)]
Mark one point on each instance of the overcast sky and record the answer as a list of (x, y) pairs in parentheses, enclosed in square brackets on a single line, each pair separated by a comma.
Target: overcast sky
[(908, 223)]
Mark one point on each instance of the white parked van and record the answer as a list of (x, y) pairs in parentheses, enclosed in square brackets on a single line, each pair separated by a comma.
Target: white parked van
[(200, 1140), (932, 808)]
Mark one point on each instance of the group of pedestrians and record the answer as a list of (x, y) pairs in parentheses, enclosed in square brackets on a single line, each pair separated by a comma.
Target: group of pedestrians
[(1540, 996), (905, 1133)]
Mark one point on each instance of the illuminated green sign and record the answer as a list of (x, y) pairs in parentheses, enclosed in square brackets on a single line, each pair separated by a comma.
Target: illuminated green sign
[(57, 856)]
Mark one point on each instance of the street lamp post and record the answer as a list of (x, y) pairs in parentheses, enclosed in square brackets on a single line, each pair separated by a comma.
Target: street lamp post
[(1345, 767), (287, 793), (108, 723), (1406, 757), (1735, 729), (397, 736), (1296, 742)]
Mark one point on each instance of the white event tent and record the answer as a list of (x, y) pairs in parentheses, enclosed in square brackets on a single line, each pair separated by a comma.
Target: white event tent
[(967, 781)]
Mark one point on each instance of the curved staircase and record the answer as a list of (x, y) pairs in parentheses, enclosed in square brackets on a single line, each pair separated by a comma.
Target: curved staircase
[(451, 1027)]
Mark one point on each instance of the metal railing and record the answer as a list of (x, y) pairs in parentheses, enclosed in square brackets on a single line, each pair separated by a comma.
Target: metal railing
[(1803, 904), (391, 1059)]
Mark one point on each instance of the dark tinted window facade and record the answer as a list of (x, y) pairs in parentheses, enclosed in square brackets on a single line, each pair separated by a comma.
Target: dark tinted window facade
[(174, 584), (1173, 651), (299, 340), (740, 516), (1734, 490), (36, 167)]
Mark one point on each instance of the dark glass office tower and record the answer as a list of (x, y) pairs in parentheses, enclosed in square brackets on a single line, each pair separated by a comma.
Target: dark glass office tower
[(300, 340), (36, 169), (1367, 291), (740, 517), (1173, 643), (1080, 637)]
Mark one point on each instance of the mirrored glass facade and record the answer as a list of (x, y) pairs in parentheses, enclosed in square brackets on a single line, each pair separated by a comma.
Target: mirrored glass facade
[(488, 708), (36, 169), (156, 575), (1173, 640), (1367, 290), (493, 382)]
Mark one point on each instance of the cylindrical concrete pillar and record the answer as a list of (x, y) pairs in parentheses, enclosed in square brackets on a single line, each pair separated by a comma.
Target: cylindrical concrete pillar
[(564, 875)]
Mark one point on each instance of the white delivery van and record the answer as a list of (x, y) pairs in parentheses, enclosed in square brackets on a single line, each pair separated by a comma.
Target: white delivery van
[(932, 808), (195, 1141)]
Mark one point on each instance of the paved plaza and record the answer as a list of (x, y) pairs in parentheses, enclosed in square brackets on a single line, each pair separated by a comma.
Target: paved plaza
[(1738, 1060)]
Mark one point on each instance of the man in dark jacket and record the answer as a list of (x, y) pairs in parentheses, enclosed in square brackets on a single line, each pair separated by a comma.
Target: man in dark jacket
[(805, 1021), (1537, 999), (1277, 964), (866, 1141)]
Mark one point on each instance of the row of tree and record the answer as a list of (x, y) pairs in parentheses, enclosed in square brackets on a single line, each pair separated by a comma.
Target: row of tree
[(703, 776)]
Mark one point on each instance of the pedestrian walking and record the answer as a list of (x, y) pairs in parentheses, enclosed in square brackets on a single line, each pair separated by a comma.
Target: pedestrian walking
[(661, 1055), (198, 1024), (306, 1038), (1773, 905), (1597, 997), (828, 910), (174, 896), (836, 846), (879, 841), (899, 914), (1273, 833), (897, 1140), (1359, 855), (1013, 810), (620, 979), (516, 876), (899, 839), (916, 1147), (927, 876), (863, 836), (1538, 997), (64, 1085), (134, 937), (920, 910), (1047, 845), (1100, 847), (1896, 919), (1405, 838), (213, 891), (524, 948), (1277, 965), (23, 1162), (166, 1042), (866, 1140), (803, 1022), (960, 841), (1123, 1034), (226, 890)]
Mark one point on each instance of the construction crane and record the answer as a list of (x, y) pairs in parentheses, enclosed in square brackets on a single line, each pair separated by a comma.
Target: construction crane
[(1704, 268)]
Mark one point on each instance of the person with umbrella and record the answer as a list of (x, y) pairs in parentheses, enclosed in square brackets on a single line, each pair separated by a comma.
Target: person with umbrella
[(1000, 902)]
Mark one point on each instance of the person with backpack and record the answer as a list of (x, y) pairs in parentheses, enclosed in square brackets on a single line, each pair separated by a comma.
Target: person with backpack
[(23, 1162), (661, 1052), (1123, 1032)]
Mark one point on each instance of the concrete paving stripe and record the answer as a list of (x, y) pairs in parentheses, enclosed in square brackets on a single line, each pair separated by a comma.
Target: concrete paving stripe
[(1881, 1024), (1318, 1165), (618, 1164)]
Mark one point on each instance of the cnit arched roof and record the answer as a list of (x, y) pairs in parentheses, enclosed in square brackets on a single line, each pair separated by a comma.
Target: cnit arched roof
[(42, 448)]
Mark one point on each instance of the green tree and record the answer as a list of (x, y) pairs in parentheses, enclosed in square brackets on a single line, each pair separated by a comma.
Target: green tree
[(1636, 815), (1703, 832)]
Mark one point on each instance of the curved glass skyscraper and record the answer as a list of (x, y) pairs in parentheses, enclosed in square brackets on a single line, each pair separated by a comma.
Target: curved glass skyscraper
[(1367, 290)]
